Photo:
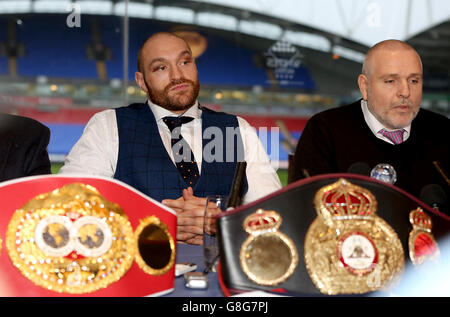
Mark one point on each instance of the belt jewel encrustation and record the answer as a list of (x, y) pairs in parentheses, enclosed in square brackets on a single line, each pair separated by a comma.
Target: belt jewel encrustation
[(71, 240), (348, 249)]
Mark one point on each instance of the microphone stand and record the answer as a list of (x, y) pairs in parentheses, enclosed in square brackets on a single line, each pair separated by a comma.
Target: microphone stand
[(441, 172), (234, 198)]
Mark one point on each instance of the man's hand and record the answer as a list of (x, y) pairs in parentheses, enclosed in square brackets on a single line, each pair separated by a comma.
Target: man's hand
[(190, 211)]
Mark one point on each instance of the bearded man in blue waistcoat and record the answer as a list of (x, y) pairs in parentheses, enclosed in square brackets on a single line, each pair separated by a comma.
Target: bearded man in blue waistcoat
[(140, 144)]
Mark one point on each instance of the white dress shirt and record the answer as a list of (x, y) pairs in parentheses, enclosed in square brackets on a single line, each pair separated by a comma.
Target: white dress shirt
[(375, 126), (96, 152)]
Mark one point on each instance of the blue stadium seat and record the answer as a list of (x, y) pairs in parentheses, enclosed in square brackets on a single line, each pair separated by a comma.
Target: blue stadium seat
[(226, 63), (3, 59), (111, 33), (54, 49), (63, 137)]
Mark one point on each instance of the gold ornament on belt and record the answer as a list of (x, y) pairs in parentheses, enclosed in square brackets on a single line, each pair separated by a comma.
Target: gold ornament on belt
[(348, 248), (268, 257), (422, 246), (155, 246), (71, 240)]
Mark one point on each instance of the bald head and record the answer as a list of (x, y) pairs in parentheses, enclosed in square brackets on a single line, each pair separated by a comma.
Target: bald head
[(371, 60), (148, 42), (391, 83)]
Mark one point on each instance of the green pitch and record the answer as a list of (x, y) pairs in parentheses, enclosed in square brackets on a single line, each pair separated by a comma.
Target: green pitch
[(282, 174)]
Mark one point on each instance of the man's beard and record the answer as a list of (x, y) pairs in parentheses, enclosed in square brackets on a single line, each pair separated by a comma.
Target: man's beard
[(387, 116), (172, 103)]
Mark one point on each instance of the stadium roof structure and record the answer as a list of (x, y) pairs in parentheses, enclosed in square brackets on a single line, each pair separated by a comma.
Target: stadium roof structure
[(343, 27), (364, 21)]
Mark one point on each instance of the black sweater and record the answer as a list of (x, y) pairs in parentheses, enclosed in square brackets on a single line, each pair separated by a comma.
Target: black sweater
[(335, 139), (23, 147)]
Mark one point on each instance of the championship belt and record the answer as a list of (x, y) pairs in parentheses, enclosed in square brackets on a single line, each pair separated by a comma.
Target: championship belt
[(349, 249), (422, 246), (329, 234), (71, 239)]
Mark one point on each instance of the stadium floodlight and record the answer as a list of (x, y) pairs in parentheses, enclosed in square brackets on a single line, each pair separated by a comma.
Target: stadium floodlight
[(15, 6), (308, 40), (348, 53), (51, 6), (174, 14), (95, 7), (217, 20), (261, 29), (135, 10)]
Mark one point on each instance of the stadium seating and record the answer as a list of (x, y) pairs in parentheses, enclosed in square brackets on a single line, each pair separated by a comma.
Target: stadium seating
[(55, 50)]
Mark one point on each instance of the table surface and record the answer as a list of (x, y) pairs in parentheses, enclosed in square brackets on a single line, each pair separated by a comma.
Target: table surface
[(194, 254)]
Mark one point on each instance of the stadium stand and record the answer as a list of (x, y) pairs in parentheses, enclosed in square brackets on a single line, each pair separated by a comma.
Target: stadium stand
[(94, 51), (52, 49), (3, 53)]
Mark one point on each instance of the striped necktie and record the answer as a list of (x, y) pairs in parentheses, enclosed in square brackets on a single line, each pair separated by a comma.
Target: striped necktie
[(395, 136), (182, 153)]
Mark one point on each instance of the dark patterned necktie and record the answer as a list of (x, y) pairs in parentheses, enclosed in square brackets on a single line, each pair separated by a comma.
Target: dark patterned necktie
[(182, 153), (395, 136)]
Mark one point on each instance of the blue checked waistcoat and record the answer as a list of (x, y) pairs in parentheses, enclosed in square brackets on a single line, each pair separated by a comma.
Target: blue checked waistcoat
[(144, 163)]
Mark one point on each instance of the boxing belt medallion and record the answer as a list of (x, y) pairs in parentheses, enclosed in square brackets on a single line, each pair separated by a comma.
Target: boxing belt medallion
[(348, 249), (71, 240), (155, 246), (421, 243), (267, 256)]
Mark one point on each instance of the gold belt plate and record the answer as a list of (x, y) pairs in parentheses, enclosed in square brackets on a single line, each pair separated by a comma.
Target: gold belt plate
[(71, 240), (268, 257), (348, 249)]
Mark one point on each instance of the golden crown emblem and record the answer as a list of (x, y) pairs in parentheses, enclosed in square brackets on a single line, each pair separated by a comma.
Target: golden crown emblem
[(420, 220), (348, 248), (343, 200), (262, 220)]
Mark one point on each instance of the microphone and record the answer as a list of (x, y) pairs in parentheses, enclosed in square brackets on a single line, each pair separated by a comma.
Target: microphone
[(434, 196), (234, 198), (360, 168), (385, 173), (382, 172)]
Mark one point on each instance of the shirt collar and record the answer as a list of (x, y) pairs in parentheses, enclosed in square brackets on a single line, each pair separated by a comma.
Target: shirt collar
[(376, 125), (160, 112)]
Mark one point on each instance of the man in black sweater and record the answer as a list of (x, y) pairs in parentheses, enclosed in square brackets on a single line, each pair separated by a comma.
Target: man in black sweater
[(386, 126), (23, 147)]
